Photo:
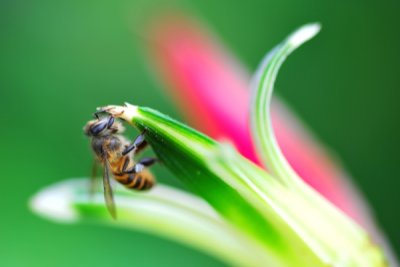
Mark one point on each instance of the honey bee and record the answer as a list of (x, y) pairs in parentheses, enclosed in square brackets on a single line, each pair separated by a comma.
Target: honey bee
[(116, 154)]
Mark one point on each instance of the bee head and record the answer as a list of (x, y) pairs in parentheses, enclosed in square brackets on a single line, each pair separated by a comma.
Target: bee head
[(103, 127)]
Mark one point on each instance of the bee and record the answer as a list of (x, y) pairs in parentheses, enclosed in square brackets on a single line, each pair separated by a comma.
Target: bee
[(115, 154)]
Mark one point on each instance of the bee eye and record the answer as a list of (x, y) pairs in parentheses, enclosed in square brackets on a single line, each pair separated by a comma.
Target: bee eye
[(110, 122), (96, 129)]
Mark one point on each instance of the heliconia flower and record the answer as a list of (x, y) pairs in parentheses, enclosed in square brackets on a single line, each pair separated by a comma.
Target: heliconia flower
[(237, 211), (212, 90)]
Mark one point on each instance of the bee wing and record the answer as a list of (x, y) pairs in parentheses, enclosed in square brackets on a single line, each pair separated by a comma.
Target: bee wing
[(108, 193), (93, 181)]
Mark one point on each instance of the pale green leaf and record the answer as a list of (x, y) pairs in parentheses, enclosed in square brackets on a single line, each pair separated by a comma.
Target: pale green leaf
[(165, 211)]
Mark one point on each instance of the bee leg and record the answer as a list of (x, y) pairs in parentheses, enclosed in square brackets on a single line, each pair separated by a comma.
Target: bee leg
[(126, 163), (143, 163), (138, 144), (147, 162)]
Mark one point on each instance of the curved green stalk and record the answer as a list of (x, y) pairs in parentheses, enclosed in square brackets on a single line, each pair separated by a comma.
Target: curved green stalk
[(165, 211), (262, 130)]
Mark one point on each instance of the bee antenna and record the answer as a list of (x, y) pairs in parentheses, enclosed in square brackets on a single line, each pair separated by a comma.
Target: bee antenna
[(96, 114)]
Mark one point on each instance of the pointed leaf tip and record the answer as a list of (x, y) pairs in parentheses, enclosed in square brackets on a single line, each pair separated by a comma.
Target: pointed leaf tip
[(54, 203), (304, 34)]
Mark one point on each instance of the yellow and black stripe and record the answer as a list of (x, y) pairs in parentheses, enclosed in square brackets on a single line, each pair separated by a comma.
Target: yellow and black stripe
[(139, 181)]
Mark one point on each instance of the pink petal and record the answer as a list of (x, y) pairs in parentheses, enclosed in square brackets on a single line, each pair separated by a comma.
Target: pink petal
[(212, 91)]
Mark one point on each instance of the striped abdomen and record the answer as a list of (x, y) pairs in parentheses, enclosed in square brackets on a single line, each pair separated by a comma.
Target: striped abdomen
[(139, 181)]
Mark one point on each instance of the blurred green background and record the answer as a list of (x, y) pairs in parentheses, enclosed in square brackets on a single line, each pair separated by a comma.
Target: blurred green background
[(61, 59)]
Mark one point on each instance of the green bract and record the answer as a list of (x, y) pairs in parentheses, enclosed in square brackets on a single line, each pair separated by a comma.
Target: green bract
[(252, 218)]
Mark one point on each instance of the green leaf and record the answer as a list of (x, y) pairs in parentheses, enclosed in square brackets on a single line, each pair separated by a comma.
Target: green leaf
[(248, 197), (165, 211)]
